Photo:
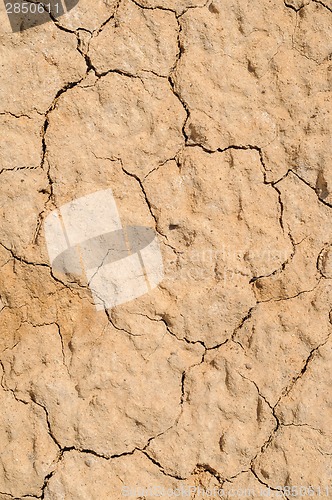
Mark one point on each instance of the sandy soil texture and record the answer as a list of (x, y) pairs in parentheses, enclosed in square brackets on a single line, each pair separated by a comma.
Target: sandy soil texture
[(211, 123)]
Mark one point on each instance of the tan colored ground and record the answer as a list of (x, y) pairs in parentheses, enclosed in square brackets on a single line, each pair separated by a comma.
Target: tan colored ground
[(211, 122)]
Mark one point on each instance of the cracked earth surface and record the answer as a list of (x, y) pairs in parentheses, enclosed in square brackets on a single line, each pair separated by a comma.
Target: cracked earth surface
[(211, 122)]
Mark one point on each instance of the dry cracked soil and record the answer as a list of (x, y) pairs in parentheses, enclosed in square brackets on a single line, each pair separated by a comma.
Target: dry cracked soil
[(211, 123)]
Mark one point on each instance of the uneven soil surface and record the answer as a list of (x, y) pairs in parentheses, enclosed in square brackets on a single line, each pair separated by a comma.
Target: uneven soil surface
[(211, 123)]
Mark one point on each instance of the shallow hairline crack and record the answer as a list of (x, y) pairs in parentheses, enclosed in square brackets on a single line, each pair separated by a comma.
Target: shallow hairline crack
[(284, 394), (167, 9), (138, 180), (134, 176), (175, 158), (272, 408), (210, 470), (8, 389), (111, 321), (242, 322), (268, 441), (183, 339), (161, 468), (252, 470), (70, 287), (265, 170), (288, 260), (301, 424), (291, 171), (62, 347), (304, 369), (281, 299)]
